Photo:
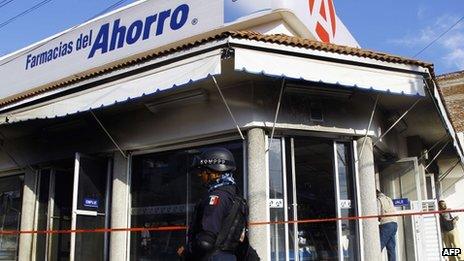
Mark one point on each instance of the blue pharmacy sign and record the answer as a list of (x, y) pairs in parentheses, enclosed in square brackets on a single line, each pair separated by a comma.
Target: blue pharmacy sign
[(400, 202), (91, 202)]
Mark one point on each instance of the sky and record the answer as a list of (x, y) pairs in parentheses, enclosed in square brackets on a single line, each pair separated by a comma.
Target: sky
[(405, 27), (396, 27)]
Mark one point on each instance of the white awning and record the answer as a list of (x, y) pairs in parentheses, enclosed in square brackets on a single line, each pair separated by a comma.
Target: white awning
[(329, 72), (162, 78), (376, 78)]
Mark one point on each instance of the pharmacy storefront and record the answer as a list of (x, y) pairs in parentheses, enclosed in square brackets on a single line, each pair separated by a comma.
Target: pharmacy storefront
[(316, 191), (106, 139)]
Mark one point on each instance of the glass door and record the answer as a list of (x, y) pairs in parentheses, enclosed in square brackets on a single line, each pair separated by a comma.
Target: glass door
[(315, 198), (402, 180), (53, 206), (312, 178), (278, 201), (90, 207), (346, 202)]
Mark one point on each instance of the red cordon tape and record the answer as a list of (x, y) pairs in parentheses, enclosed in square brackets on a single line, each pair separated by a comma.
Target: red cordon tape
[(97, 230), (180, 228), (421, 213)]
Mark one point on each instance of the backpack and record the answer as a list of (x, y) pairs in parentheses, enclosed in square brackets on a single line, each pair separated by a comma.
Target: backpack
[(447, 225), (232, 236), (234, 226)]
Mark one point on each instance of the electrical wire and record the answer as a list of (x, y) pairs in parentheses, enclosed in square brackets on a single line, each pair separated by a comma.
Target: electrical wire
[(109, 8), (438, 38), (63, 33), (24, 13), (5, 2)]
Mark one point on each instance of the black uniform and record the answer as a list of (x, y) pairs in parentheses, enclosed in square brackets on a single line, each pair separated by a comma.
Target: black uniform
[(207, 221)]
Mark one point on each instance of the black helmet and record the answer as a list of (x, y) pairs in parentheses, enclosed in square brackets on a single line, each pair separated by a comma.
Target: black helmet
[(217, 159)]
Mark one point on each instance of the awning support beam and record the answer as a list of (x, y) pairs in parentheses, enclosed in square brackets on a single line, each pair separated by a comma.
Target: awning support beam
[(109, 135), (436, 155), (228, 108), (396, 122), (431, 148), (448, 171), (369, 126), (452, 184), (277, 110)]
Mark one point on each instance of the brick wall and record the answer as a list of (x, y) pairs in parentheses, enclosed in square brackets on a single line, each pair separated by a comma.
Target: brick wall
[(452, 87)]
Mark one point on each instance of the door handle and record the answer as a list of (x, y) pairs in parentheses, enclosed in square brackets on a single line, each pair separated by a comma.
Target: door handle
[(86, 213), (61, 217)]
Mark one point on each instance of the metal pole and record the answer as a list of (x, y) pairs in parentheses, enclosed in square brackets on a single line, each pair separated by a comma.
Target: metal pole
[(396, 122), (438, 153), (369, 126), (109, 135), (433, 146), (106, 239), (448, 171), (227, 106), (277, 111)]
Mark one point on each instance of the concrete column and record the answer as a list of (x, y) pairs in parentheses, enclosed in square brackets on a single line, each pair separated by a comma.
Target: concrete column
[(370, 235), (257, 199), (119, 208), (27, 215)]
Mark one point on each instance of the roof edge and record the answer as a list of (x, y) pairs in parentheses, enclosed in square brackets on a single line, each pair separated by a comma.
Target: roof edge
[(153, 54), (451, 76)]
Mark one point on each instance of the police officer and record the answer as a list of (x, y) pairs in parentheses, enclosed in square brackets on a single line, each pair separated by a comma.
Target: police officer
[(215, 168)]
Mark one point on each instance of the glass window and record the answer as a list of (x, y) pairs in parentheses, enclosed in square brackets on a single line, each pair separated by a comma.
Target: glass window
[(92, 183), (90, 246), (276, 201), (347, 203), (164, 194), (291, 193), (61, 213), (54, 213), (10, 212), (429, 187), (315, 199)]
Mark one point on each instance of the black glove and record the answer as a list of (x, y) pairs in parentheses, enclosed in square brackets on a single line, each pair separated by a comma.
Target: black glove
[(205, 241)]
